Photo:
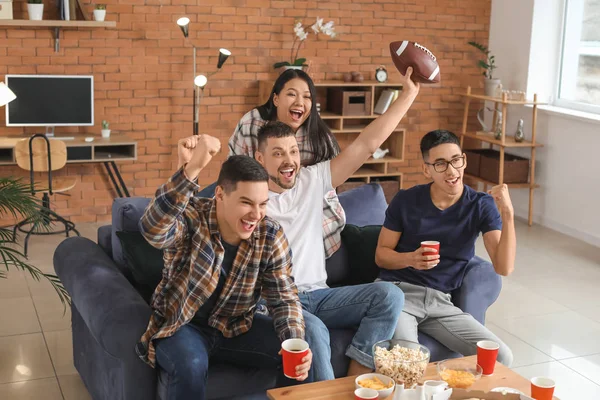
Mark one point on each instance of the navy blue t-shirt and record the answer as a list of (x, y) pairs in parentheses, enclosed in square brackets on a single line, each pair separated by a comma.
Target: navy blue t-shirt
[(413, 213)]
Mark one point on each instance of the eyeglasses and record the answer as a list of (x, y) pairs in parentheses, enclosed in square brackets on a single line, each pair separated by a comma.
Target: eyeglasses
[(442, 165)]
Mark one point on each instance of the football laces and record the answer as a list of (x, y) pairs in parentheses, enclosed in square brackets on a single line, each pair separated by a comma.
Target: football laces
[(426, 50)]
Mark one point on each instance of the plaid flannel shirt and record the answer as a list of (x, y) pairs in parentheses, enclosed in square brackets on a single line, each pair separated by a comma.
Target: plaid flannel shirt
[(244, 141), (185, 227)]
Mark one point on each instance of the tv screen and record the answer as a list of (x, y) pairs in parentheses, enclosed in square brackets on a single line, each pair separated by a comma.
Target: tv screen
[(50, 100)]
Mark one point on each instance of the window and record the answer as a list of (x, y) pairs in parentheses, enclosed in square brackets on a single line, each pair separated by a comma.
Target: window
[(579, 84)]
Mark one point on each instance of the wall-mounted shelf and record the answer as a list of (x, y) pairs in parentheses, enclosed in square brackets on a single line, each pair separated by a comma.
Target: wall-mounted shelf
[(57, 25)]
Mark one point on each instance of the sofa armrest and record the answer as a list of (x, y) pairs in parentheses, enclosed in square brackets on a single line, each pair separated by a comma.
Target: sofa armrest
[(105, 239), (114, 312), (480, 288)]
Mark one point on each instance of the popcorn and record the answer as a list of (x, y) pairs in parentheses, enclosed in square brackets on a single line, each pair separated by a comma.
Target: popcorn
[(402, 364)]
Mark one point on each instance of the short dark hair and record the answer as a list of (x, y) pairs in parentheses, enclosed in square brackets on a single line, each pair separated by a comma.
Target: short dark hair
[(435, 138), (273, 129), (240, 169)]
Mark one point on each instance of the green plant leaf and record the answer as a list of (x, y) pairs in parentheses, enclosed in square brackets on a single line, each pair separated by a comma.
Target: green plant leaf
[(299, 61), (483, 64), (17, 201), (479, 47), (281, 64)]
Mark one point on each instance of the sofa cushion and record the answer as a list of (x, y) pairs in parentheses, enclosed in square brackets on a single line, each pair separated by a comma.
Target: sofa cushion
[(360, 244), (144, 262), (126, 215), (364, 205)]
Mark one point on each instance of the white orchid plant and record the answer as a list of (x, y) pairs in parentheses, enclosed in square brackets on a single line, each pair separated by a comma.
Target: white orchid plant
[(301, 35)]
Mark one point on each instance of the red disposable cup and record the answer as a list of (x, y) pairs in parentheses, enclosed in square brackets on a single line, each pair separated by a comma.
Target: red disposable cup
[(542, 388), (292, 352), (430, 244), (487, 353), (365, 394)]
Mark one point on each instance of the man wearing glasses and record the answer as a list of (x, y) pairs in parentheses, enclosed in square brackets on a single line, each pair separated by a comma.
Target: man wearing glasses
[(452, 214)]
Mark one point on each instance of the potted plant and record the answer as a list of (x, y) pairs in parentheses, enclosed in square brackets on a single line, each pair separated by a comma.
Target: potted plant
[(35, 9), (17, 201), (488, 66), (300, 36), (100, 12), (105, 129)]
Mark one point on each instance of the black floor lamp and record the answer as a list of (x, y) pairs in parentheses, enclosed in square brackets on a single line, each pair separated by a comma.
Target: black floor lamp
[(200, 81)]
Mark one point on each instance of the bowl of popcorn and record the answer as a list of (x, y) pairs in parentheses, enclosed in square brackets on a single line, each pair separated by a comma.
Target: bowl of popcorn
[(403, 361), (459, 373), (383, 384)]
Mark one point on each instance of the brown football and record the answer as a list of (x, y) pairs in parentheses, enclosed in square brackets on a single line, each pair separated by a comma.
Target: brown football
[(411, 54)]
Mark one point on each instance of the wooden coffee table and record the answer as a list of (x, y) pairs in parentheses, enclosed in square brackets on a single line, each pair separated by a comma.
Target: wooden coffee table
[(343, 388)]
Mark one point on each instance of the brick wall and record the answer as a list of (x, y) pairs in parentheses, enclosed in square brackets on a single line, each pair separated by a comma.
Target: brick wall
[(143, 72)]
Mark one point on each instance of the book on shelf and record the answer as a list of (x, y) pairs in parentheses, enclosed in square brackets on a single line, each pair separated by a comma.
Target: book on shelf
[(387, 97)]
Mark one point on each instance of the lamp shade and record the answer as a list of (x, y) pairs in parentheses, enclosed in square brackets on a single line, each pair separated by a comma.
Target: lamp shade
[(223, 56), (200, 81), (6, 95), (184, 25)]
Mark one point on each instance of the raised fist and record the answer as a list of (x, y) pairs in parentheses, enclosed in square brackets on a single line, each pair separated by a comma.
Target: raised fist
[(195, 152)]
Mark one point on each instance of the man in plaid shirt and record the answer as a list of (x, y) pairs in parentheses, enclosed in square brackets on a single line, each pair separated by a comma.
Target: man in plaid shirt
[(221, 255)]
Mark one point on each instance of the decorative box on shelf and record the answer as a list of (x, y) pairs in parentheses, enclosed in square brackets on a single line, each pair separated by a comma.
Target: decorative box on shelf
[(346, 101), (6, 9), (485, 164)]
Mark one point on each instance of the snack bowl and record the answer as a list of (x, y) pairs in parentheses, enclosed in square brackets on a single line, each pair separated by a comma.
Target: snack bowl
[(402, 360), (385, 380), (459, 373)]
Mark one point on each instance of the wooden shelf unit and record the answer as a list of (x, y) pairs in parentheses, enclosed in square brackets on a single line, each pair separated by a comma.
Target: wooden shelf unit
[(57, 25), (346, 127), (505, 141)]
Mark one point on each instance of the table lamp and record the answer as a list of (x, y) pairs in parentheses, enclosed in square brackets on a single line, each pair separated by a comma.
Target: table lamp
[(200, 81), (6, 95)]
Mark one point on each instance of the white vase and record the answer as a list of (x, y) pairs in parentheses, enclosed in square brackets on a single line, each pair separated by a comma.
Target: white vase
[(99, 15), (490, 87), (105, 133), (35, 11), (286, 67)]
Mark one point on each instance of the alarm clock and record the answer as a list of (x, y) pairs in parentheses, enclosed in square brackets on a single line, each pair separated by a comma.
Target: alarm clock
[(381, 74)]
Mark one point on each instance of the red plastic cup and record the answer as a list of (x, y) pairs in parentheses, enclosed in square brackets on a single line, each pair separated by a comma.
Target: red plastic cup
[(292, 352), (366, 394), (542, 388), (431, 244), (487, 353)]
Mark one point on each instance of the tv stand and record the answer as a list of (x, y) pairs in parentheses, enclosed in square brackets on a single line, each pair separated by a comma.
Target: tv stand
[(102, 150)]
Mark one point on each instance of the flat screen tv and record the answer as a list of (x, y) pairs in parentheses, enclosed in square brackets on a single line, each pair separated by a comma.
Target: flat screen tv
[(51, 100)]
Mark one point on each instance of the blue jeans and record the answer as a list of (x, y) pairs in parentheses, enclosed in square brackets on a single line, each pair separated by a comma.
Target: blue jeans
[(374, 308), (185, 355)]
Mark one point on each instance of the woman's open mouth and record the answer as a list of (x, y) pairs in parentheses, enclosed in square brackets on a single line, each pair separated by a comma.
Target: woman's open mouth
[(296, 114)]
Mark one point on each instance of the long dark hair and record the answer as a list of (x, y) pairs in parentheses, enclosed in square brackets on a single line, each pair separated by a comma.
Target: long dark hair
[(322, 142)]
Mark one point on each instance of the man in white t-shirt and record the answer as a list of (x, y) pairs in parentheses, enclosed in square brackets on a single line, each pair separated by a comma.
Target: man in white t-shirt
[(295, 200)]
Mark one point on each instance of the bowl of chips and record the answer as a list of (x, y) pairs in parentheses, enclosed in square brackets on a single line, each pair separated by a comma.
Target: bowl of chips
[(383, 384), (459, 373)]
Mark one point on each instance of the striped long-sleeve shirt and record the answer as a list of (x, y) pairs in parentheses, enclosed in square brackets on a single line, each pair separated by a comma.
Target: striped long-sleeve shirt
[(244, 141), (186, 228)]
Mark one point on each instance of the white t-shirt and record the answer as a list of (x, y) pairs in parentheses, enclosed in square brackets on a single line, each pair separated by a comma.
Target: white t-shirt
[(300, 212)]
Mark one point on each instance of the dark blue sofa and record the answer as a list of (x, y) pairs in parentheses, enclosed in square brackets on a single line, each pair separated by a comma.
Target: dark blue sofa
[(109, 316)]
